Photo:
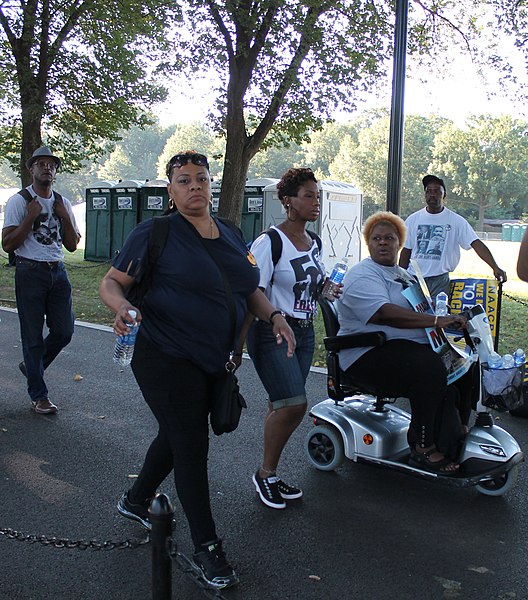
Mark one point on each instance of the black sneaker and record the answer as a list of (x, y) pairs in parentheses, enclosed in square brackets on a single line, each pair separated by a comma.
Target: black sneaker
[(210, 562), (22, 368), (136, 512), (288, 492), (268, 490)]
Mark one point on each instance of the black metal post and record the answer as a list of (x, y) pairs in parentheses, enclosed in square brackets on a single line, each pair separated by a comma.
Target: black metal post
[(397, 114), (161, 515)]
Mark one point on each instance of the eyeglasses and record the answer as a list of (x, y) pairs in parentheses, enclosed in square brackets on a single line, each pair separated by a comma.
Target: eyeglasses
[(179, 160), (41, 164)]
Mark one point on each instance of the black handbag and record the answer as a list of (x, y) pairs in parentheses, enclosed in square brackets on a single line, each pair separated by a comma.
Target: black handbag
[(228, 402)]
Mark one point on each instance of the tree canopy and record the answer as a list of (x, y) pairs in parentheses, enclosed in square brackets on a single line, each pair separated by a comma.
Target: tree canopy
[(76, 72), (282, 68)]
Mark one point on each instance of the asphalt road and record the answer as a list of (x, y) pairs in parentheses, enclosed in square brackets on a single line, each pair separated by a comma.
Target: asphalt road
[(360, 532)]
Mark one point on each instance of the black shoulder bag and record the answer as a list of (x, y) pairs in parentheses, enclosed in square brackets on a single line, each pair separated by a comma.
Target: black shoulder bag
[(228, 402)]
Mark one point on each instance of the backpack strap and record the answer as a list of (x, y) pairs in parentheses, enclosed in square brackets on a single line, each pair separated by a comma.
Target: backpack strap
[(315, 237), (157, 241), (276, 245), (24, 192), (26, 195)]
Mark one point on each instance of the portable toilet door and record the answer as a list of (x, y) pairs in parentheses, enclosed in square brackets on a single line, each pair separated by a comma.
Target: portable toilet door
[(154, 199), (215, 192), (98, 221), (251, 221), (125, 208), (339, 222)]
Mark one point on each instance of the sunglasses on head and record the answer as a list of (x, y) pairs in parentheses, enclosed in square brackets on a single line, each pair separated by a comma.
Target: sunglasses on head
[(179, 160)]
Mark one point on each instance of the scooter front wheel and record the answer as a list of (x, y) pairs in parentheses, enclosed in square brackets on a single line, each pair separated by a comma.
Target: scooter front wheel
[(324, 448), (500, 485)]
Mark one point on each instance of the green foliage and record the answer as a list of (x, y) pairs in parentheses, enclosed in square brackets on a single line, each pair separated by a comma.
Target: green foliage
[(195, 136), (485, 164), (75, 74), (136, 155)]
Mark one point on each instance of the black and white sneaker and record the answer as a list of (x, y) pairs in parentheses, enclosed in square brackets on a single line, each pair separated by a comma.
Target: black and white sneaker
[(289, 492), (268, 490), (136, 512), (210, 562)]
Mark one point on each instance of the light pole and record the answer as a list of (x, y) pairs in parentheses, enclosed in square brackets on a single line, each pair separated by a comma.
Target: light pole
[(397, 113)]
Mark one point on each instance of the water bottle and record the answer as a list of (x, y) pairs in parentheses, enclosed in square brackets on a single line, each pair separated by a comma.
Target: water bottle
[(441, 305), (519, 357), (335, 278), (507, 362), (124, 346), (494, 360)]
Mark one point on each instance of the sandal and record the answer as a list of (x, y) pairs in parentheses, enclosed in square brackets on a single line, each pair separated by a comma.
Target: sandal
[(423, 461)]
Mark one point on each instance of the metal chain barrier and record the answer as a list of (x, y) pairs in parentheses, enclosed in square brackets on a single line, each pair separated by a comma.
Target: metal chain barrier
[(66, 543), (523, 302)]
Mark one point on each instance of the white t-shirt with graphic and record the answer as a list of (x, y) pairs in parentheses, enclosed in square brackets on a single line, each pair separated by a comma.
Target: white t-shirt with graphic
[(44, 242), (435, 240), (295, 277)]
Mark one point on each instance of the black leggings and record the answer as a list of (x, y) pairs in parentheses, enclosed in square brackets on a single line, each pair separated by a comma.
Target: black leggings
[(401, 368), (178, 393)]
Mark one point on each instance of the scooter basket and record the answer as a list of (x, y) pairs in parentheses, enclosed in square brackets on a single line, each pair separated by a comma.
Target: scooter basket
[(502, 389)]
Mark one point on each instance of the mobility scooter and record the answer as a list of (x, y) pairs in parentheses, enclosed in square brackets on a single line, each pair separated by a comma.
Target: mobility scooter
[(355, 422)]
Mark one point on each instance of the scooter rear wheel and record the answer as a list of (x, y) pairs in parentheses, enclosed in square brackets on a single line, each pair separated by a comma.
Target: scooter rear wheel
[(501, 485), (324, 448)]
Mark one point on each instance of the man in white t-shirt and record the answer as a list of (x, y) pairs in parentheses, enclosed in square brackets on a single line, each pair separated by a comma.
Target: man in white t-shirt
[(38, 222), (435, 235)]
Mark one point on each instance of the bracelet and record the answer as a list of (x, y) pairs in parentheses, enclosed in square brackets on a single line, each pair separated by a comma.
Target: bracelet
[(436, 320), (274, 314)]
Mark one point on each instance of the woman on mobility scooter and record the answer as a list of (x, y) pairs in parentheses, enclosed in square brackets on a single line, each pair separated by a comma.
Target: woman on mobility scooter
[(407, 365)]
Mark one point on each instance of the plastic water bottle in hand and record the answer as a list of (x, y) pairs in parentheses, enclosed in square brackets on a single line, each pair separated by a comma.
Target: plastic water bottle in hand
[(441, 305), (124, 346), (335, 278), (519, 357)]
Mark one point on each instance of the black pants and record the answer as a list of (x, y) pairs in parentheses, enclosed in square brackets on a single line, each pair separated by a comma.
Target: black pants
[(178, 393), (401, 368)]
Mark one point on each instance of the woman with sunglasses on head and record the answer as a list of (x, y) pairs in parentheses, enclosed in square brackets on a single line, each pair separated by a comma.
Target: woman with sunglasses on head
[(183, 345), (292, 282)]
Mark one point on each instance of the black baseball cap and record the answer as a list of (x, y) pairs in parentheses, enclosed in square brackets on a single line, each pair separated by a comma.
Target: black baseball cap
[(433, 179)]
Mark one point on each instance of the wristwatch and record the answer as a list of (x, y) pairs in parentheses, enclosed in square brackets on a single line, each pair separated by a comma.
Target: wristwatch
[(275, 313)]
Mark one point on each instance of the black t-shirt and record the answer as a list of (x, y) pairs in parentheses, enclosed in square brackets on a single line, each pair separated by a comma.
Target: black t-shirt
[(185, 311)]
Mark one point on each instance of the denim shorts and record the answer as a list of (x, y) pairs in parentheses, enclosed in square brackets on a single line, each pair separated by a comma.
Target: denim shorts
[(284, 378)]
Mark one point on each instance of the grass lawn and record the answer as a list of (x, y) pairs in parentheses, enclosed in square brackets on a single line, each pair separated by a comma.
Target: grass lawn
[(85, 277)]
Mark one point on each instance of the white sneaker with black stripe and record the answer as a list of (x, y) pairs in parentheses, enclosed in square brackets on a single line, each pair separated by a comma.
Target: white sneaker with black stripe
[(268, 490)]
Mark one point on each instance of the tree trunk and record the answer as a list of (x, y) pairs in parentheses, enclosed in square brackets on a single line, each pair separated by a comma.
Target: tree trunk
[(31, 138), (482, 211)]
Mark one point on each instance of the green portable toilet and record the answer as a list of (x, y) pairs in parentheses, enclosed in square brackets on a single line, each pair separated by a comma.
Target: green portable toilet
[(125, 208), (524, 227), (251, 218), (215, 191), (154, 199), (98, 221), (506, 232), (516, 235)]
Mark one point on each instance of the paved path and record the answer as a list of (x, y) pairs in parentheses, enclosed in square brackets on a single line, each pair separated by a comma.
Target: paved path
[(363, 532)]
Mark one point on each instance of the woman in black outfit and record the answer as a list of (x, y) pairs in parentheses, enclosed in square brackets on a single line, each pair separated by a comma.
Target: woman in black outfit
[(183, 344)]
